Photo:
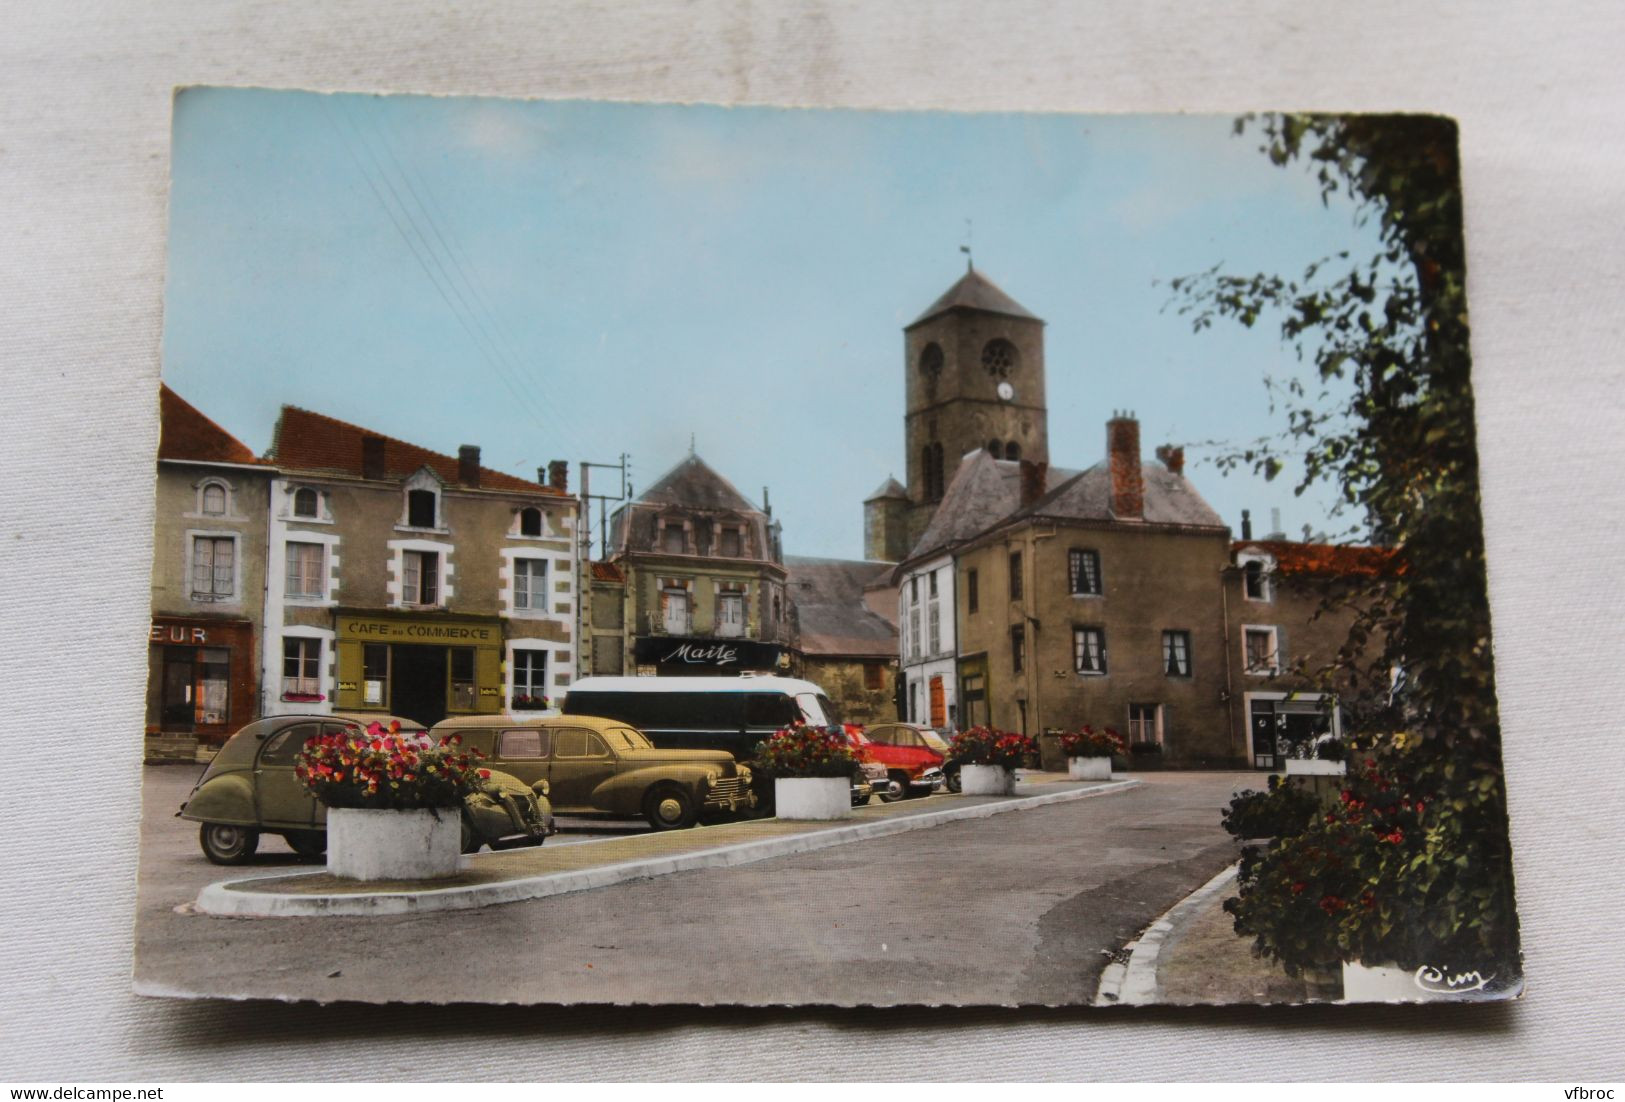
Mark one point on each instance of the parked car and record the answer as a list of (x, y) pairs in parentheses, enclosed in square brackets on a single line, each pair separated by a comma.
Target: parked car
[(250, 789), (594, 765), (912, 767)]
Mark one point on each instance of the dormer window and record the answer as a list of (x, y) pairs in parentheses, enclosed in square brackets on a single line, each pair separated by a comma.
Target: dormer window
[(214, 500), (673, 539), (306, 503), (1257, 584), (530, 522), (731, 544), (420, 508)]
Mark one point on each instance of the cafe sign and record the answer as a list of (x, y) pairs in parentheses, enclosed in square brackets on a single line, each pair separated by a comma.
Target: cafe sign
[(453, 633)]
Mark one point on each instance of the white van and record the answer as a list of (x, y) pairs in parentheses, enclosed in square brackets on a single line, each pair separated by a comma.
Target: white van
[(703, 713)]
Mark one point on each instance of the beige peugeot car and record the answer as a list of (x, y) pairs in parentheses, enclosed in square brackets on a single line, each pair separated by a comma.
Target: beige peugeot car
[(603, 766)]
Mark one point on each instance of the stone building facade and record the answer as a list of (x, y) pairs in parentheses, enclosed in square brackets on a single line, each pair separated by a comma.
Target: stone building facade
[(704, 579), (847, 645), (208, 581), (403, 581)]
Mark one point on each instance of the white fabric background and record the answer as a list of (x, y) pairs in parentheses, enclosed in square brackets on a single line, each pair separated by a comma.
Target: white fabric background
[(84, 142)]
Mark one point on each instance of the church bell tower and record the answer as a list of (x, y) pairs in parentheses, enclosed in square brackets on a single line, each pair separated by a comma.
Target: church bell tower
[(974, 371)]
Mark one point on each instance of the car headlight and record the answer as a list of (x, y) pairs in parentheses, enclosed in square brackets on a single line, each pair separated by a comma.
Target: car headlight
[(540, 788)]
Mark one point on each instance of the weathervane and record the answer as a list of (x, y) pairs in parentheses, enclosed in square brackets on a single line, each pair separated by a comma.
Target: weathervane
[(965, 248)]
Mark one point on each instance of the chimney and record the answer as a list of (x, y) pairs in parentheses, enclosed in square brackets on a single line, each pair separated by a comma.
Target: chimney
[(1128, 481), (1275, 525), (372, 457), (1033, 477), (558, 475), (468, 465), (1173, 458), (1246, 524)]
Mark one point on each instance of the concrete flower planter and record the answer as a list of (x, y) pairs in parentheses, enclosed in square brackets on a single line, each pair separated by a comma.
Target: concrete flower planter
[(987, 780), (423, 844), (1390, 984), (1089, 769), (1315, 767), (812, 798)]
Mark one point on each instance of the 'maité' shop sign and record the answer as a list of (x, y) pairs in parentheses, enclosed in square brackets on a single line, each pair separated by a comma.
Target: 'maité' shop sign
[(419, 631)]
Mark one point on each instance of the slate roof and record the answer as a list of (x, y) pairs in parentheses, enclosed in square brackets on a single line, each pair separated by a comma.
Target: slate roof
[(315, 442), (974, 291), (693, 482), (185, 433), (983, 492), (1326, 559), (1169, 498), (834, 620), (889, 488)]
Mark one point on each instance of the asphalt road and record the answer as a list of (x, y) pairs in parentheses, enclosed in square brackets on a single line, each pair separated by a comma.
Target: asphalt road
[(1021, 908)]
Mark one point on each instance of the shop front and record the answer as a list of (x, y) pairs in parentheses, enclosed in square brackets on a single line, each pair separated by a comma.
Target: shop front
[(419, 667), (200, 681), (688, 656)]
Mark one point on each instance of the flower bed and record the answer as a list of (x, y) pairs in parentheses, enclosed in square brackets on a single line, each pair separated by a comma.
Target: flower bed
[(385, 770), (802, 751), (986, 746), (1086, 742)]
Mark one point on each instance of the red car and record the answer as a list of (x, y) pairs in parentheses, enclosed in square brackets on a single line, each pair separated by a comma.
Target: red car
[(914, 767)]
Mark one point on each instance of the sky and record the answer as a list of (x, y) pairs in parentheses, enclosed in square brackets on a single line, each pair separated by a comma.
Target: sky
[(574, 280)]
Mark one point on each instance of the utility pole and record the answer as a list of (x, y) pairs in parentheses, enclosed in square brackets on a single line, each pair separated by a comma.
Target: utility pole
[(584, 535)]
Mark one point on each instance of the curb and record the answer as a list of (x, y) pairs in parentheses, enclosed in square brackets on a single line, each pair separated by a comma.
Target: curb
[(237, 897), (1134, 982)]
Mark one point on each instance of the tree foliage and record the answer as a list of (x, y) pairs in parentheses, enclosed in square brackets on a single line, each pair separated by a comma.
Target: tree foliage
[(1401, 450)]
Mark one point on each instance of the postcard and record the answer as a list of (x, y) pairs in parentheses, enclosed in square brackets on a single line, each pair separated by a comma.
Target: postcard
[(673, 554)]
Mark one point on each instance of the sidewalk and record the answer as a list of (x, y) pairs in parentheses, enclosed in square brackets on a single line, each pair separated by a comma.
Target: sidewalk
[(539, 871), (1192, 955)]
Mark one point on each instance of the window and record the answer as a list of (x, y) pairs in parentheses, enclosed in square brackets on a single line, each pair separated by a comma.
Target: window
[(462, 679), (995, 449), (1083, 572), (874, 676), (1144, 723), (523, 743), (284, 746), (420, 508), (1018, 648), (1255, 580), (575, 743), (933, 618), (530, 584), (1176, 653), (305, 502), (971, 594), (307, 564), (931, 367), (1012, 450), (374, 673), (529, 677), (672, 538), (1015, 575), (999, 357), (674, 610), (914, 616), (1089, 650), (214, 500), (530, 522), (213, 684), (731, 544), (422, 577), (778, 610), (214, 568), (1259, 651), (301, 669), (730, 614)]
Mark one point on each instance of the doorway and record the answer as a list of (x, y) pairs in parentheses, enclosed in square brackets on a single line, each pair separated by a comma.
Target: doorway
[(418, 688)]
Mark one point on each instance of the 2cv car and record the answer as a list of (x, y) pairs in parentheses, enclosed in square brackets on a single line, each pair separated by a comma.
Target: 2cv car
[(603, 766), (250, 789)]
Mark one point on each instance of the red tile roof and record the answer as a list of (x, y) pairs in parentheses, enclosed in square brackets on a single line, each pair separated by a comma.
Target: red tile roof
[(607, 572), (1339, 560), (184, 433), (314, 442)]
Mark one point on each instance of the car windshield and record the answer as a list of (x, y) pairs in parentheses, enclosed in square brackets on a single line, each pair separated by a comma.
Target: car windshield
[(624, 738), (817, 710)]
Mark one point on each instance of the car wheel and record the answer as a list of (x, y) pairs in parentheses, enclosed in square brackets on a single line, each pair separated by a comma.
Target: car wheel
[(309, 844), (951, 783), (228, 845), (669, 808), (896, 789), (859, 801)]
